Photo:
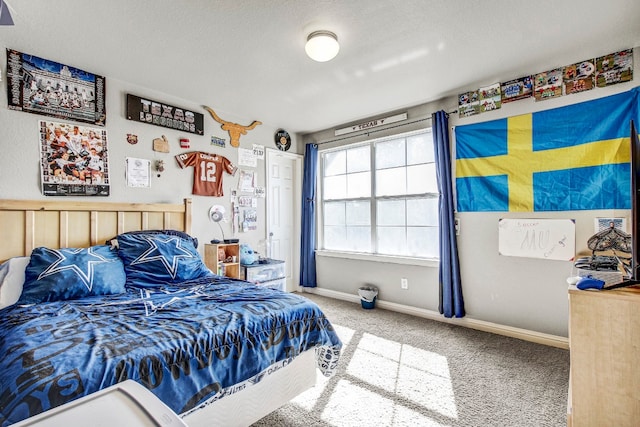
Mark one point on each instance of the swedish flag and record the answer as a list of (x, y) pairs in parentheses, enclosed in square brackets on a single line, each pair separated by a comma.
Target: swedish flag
[(569, 158)]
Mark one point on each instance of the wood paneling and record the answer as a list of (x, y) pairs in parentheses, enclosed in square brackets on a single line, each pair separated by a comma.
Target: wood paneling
[(26, 224)]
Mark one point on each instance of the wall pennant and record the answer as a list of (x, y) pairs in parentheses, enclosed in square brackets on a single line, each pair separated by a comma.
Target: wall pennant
[(235, 130)]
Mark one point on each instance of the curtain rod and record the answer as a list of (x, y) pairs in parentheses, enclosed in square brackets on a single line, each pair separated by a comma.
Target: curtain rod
[(380, 130)]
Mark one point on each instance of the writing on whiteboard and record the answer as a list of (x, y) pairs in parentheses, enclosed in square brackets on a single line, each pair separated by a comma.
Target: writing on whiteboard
[(537, 238)]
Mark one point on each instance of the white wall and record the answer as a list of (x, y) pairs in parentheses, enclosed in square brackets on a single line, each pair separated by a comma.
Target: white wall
[(19, 156), (518, 292)]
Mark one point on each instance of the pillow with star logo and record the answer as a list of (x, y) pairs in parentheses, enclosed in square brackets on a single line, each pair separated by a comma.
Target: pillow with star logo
[(171, 232), (72, 273), (152, 259)]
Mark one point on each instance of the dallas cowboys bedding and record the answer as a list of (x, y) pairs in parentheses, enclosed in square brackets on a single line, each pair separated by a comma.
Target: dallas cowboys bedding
[(150, 311)]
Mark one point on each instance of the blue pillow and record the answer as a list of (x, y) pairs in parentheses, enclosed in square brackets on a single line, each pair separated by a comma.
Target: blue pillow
[(178, 233), (152, 259), (72, 273)]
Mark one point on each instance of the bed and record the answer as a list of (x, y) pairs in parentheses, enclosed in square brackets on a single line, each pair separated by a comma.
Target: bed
[(116, 291)]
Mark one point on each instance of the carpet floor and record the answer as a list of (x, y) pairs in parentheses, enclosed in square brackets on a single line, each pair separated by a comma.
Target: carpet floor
[(402, 370)]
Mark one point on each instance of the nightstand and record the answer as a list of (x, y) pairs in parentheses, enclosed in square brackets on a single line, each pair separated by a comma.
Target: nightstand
[(228, 254)]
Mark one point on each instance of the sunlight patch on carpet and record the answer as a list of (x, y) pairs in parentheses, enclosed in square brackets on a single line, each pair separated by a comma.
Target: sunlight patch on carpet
[(355, 406), (418, 375), (421, 379), (425, 379)]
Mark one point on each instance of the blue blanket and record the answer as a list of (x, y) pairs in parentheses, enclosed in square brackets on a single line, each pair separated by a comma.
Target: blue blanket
[(185, 343)]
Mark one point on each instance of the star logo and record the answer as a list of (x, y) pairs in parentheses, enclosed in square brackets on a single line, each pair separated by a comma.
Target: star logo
[(68, 260), (168, 253)]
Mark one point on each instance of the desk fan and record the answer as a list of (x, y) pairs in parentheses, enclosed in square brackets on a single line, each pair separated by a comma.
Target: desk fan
[(216, 214)]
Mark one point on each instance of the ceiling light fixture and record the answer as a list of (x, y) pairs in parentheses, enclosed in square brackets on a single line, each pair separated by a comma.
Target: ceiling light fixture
[(322, 46)]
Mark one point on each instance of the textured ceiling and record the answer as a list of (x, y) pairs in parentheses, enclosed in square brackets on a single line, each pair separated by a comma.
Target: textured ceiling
[(245, 58)]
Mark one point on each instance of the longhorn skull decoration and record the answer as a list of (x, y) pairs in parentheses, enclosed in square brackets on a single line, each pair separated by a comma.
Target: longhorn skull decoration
[(235, 130)]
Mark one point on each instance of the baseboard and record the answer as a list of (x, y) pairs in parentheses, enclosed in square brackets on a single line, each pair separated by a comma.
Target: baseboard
[(481, 325)]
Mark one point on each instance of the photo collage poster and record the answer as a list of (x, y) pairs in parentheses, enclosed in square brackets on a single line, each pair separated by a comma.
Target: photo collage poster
[(547, 84), (73, 160), (468, 104), (45, 87), (614, 68), (490, 98), (581, 76)]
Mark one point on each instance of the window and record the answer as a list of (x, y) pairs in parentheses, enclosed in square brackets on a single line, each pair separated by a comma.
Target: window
[(381, 197)]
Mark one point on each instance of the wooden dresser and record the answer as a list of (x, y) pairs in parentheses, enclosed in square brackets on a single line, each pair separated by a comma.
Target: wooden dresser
[(604, 341)]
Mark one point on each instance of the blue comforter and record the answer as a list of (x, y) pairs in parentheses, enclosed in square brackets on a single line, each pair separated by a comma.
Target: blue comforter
[(185, 343)]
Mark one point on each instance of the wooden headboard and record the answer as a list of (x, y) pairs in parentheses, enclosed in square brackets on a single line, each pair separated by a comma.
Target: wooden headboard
[(27, 224)]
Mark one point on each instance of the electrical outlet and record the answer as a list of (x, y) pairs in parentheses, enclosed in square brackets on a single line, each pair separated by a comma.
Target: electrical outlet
[(404, 283)]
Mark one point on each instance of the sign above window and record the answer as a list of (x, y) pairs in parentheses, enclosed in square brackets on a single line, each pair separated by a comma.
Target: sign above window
[(372, 124)]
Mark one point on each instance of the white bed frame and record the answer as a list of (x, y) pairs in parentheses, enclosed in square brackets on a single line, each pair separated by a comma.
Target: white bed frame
[(249, 405), (27, 224)]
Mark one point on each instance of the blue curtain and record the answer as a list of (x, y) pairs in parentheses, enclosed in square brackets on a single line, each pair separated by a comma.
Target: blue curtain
[(451, 301), (308, 240)]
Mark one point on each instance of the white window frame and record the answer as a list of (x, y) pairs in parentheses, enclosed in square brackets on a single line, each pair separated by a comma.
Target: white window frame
[(365, 256)]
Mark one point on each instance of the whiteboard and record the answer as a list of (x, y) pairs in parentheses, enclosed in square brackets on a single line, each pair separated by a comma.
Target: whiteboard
[(553, 239)]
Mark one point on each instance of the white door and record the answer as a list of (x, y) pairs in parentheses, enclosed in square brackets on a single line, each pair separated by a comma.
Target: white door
[(284, 198)]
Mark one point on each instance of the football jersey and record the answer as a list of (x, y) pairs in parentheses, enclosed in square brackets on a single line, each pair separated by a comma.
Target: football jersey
[(207, 171)]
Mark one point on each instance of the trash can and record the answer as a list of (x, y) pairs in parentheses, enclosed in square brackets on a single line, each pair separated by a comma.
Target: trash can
[(368, 295)]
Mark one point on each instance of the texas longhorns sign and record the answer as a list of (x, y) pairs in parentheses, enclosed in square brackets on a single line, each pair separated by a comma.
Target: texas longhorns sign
[(234, 129)]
